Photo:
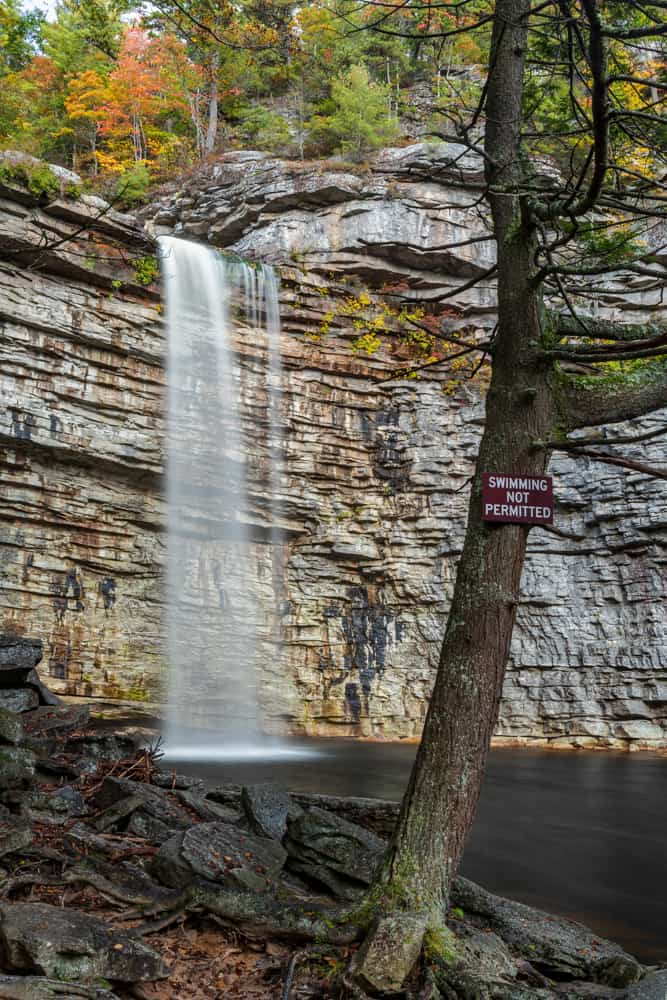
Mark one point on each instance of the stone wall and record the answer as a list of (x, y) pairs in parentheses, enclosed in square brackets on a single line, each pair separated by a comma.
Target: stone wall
[(373, 484)]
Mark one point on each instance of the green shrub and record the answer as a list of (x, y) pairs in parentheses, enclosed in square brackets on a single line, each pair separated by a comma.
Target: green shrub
[(133, 186), (360, 120), (38, 178), (145, 269), (264, 129)]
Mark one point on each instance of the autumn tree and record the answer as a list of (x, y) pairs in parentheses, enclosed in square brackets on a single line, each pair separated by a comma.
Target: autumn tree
[(224, 40), (579, 84)]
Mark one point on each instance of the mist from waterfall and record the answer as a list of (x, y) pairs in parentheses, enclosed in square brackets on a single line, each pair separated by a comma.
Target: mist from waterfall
[(213, 610)]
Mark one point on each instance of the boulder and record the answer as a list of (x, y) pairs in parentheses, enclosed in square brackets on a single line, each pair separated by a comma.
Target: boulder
[(331, 851), (17, 658), (17, 767), (56, 807), (485, 953), (157, 803), (142, 824), (100, 746), (11, 727), (70, 945), (389, 952), (207, 809), (21, 699), (579, 990), (221, 853), (55, 721), (266, 807), (183, 782), (38, 988), (15, 834), (117, 813), (651, 987), (124, 881), (79, 840), (556, 946), (46, 697), (480, 965)]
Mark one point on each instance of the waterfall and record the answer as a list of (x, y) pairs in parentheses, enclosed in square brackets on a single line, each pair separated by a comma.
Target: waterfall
[(212, 605)]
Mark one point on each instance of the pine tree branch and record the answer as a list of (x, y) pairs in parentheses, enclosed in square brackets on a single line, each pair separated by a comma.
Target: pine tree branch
[(603, 329), (624, 463), (589, 402), (601, 352), (585, 442)]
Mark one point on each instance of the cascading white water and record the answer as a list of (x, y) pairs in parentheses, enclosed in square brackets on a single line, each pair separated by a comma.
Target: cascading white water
[(212, 604)]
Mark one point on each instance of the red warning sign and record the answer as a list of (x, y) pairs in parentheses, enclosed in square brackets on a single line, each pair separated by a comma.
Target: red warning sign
[(518, 499)]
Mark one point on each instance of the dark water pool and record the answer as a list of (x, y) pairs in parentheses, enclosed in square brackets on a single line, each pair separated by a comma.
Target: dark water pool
[(581, 834)]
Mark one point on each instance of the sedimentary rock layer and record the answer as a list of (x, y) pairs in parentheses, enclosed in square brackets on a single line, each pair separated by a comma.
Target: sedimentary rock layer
[(372, 483)]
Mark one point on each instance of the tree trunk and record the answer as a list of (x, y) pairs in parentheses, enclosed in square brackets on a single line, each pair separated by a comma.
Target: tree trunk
[(212, 130), (441, 800)]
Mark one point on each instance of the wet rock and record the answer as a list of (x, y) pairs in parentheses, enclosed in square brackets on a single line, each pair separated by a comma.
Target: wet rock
[(71, 945), (389, 952), (11, 727), (207, 809), (18, 699), (651, 987), (142, 824), (182, 782), (39, 988), (377, 815), (117, 812), (17, 658), (157, 803), (54, 807), (228, 795), (15, 834), (80, 839), (266, 807), (219, 852), (333, 852), (556, 946)]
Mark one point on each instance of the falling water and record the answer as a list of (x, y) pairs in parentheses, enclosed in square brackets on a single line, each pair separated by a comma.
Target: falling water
[(212, 602)]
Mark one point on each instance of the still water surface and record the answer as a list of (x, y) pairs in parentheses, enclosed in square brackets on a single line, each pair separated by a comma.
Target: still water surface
[(581, 834)]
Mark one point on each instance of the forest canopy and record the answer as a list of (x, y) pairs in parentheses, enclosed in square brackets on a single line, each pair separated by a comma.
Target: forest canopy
[(130, 93)]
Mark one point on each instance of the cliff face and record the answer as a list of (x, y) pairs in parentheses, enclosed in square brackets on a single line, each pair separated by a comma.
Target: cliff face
[(373, 483)]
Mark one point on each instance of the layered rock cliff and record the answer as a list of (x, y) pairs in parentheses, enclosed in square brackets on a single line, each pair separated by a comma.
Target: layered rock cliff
[(373, 481)]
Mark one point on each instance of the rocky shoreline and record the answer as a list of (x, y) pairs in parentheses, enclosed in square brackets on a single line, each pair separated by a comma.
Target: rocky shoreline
[(108, 864)]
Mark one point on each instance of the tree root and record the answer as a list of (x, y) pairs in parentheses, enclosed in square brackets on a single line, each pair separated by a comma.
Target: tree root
[(353, 991), (298, 956), (262, 915), (23, 881), (291, 969), (153, 926), (38, 988), (104, 885)]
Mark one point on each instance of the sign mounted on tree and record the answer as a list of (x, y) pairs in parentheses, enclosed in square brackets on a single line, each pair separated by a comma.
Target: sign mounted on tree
[(518, 499)]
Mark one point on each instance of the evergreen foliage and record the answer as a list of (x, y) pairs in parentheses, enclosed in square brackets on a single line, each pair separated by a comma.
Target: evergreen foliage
[(359, 121)]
